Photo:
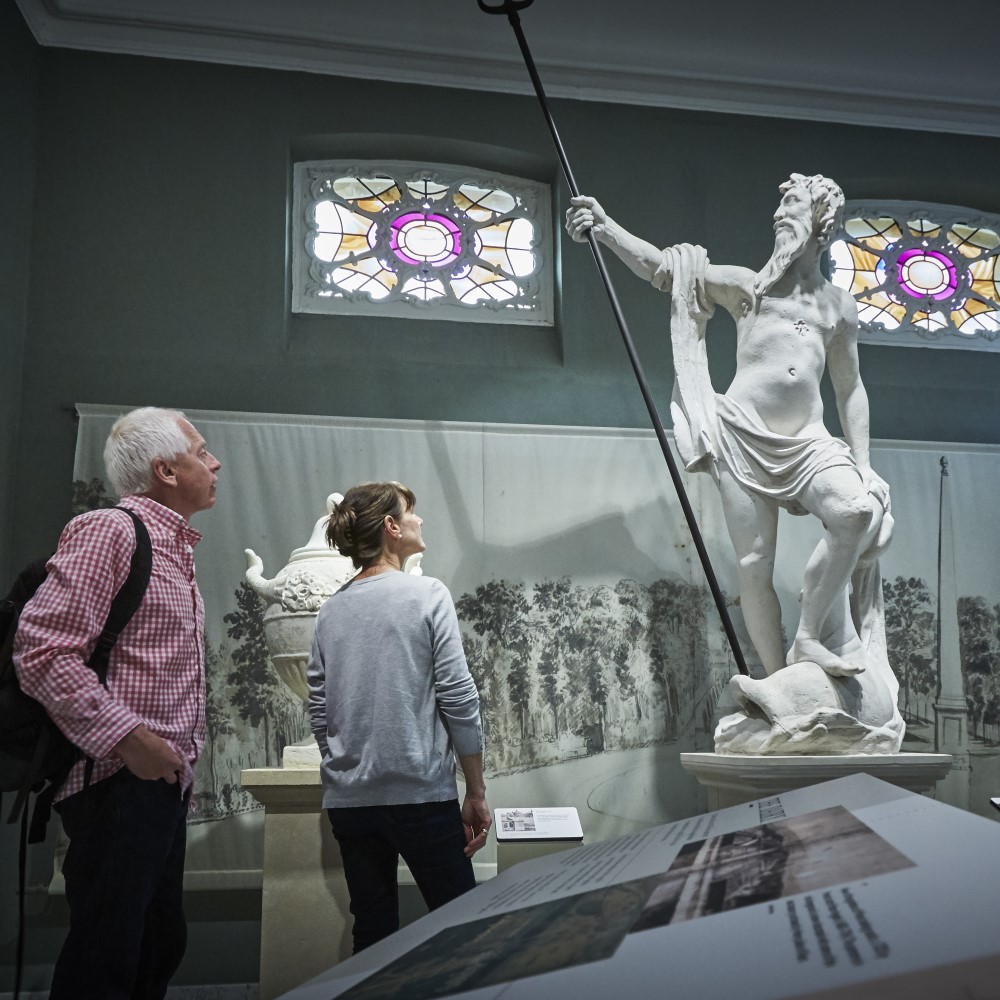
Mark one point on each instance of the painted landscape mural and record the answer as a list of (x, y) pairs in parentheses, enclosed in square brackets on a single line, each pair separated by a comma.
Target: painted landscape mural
[(594, 642)]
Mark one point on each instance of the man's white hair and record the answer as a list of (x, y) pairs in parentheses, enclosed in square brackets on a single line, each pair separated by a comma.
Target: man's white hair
[(136, 440)]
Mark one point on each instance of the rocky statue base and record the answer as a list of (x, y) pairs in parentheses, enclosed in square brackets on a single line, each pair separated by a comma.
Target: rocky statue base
[(804, 710)]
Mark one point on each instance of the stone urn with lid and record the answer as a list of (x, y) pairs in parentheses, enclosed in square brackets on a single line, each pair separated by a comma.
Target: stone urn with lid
[(292, 600)]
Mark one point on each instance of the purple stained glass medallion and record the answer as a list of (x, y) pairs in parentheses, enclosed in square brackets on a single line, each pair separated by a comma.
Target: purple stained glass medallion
[(421, 238), (926, 274)]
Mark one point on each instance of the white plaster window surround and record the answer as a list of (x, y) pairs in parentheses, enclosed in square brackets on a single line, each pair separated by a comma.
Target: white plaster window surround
[(421, 241), (923, 275)]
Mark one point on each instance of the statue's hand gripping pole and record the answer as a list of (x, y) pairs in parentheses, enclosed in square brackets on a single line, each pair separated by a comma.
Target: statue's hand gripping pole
[(511, 8)]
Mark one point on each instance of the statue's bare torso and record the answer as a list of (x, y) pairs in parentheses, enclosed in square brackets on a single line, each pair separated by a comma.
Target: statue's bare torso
[(781, 350)]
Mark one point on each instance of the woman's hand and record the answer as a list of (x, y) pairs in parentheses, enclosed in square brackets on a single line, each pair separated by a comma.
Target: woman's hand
[(477, 820)]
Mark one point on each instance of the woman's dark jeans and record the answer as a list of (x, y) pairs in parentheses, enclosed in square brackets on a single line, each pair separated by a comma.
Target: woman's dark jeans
[(431, 839)]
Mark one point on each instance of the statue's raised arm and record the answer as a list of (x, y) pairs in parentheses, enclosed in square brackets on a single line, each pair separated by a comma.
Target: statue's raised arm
[(726, 286)]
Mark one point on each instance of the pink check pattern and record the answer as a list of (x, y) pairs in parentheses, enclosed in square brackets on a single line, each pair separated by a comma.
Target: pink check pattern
[(156, 674)]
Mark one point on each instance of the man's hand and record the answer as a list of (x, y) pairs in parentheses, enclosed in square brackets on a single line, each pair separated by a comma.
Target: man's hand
[(149, 757), (877, 487), (477, 820), (585, 213)]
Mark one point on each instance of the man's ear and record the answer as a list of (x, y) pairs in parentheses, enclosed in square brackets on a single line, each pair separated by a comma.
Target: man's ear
[(163, 472)]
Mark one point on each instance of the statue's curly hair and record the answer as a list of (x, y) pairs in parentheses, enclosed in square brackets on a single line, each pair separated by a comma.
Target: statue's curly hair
[(827, 203)]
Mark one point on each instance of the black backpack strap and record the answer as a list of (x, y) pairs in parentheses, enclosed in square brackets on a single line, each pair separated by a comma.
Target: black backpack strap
[(123, 607), (22, 868), (21, 798), (127, 600)]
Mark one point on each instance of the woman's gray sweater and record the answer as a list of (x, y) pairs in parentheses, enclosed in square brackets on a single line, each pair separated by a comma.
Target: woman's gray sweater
[(391, 699)]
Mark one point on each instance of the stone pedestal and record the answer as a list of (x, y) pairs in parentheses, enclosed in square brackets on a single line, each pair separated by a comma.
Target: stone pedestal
[(732, 779), (305, 919), (512, 853)]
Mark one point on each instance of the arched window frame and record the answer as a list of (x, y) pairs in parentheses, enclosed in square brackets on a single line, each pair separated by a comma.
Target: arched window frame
[(923, 275), (472, 234)]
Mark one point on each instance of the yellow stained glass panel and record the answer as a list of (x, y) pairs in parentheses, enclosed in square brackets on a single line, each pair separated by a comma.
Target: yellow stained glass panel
[(929, 321), (878, 233), (365, 275), (923, 227), (340, 232), (971, 241), (481, 283), (427, 190), (988, 322), (507, 246), (424, 290), (482, 204), (973, 306), (863, 260), (878, 314), (371, 194)]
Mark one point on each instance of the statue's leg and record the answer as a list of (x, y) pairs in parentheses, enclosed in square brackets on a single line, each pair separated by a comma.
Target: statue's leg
[(753, 529), (849, 515)]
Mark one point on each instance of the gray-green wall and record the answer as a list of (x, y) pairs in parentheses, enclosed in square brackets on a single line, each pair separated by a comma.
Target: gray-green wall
[(18, 126), (159, 240), (144, 217)]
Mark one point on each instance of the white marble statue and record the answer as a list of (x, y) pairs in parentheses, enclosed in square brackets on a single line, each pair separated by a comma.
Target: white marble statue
[(765, 444)]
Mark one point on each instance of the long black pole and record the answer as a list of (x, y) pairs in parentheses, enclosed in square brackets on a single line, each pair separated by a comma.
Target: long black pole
[(510, 8)]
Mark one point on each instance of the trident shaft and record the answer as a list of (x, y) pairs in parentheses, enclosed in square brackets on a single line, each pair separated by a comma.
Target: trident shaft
[(511, 8)]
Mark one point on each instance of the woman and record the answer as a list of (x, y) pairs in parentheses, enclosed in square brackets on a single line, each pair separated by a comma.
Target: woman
[(392, 703)]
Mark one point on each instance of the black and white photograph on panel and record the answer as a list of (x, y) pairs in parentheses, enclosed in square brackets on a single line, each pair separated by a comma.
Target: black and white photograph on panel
[(531, 941), (768, 862)]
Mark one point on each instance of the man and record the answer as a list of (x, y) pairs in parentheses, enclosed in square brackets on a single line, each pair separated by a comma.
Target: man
[(764, 440), (144, 731)]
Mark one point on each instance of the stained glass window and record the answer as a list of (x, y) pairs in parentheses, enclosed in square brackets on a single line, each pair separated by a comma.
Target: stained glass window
[(432, 240), (925, 275)]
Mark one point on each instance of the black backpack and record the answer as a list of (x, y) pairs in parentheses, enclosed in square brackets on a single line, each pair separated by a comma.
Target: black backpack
[(34, 754)]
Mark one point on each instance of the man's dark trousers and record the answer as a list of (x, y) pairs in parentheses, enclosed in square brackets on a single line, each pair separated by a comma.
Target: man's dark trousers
[(124, 872)]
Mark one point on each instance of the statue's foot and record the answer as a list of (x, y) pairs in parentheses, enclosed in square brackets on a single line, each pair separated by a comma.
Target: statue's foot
[(813, 651)]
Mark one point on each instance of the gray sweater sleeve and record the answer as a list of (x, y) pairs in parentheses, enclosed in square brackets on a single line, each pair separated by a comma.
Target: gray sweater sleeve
[(316, 679), (457, 697)]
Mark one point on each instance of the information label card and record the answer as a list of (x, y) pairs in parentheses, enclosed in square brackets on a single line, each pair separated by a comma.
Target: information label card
[(530, 823)]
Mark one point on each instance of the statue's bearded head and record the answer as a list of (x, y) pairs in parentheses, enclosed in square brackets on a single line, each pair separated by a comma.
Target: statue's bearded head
[(809, 212)]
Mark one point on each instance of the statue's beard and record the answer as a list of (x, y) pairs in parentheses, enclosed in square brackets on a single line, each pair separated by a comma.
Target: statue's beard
[(790, 239)]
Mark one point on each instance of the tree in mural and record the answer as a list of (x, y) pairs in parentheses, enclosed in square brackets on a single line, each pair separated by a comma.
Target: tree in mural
[(257, 692), (636, 646), (553, 604), (218, 725), (676, 617), (624, 675), (910, 636), (565, 670), (599, 631), (979, 640), (490, 702), (90, 495), (498, 611)]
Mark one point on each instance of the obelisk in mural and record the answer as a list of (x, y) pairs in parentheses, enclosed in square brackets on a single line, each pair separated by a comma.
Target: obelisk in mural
[(951, 711)]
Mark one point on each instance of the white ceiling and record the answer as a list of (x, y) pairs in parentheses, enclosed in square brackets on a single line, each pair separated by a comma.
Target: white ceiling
[(925, 64)]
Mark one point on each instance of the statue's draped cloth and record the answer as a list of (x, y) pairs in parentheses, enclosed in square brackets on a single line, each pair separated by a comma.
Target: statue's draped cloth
[(807, 710), (774, 465)]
